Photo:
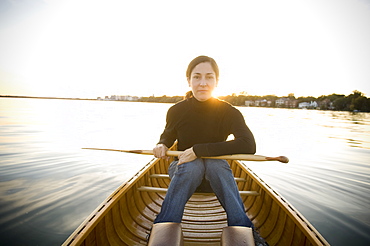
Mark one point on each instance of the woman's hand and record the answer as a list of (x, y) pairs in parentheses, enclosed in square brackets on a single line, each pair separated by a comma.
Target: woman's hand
[(160, 151), (187, 156)]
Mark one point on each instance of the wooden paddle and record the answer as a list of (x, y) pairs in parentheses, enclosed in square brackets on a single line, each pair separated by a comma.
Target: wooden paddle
[(241, 157)]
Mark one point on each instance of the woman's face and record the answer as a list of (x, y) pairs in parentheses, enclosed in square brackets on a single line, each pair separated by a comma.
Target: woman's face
[(202, 81)]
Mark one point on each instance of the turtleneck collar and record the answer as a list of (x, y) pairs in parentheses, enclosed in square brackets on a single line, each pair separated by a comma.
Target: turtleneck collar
[(200, 105)]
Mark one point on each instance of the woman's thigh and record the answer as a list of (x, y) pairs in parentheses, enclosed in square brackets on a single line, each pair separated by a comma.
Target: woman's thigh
[(194, 169)]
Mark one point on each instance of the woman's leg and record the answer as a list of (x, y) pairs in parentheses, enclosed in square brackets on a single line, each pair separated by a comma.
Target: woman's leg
[(185, 178), (222, 181)]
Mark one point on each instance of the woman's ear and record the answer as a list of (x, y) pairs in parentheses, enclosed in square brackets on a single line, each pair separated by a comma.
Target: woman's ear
[(188, 81)]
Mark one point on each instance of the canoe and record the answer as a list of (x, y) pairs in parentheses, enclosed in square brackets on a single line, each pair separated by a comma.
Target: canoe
[(127, 215)]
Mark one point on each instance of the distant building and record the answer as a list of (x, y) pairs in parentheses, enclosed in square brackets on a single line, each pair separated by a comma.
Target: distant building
[(262, 103), (120, 98), (326, 104), (281, 102), (312, 104), (286, 102), (128, 98), (291, 103), (249, 103), (259, 103)]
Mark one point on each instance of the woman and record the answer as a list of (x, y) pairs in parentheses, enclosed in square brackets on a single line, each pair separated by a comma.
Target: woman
[(201, 125)]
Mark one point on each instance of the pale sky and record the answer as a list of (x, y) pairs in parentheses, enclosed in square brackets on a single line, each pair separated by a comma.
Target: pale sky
[(92, 48)]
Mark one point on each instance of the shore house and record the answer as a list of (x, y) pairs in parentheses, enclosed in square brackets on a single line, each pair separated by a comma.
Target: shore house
[(285, 102), (281, 102), (312, 104)]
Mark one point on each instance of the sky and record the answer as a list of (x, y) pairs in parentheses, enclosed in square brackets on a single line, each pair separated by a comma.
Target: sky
[(97, 48)]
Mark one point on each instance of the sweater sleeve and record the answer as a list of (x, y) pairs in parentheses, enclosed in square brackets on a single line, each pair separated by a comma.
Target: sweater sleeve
[(169, 136), (243, 142)]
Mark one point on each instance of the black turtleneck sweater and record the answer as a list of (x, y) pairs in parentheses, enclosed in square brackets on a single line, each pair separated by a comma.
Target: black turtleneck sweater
[(205, 126)]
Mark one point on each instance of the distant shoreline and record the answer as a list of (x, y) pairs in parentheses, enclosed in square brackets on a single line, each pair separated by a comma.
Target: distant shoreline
[(355, 102), (60, 98)]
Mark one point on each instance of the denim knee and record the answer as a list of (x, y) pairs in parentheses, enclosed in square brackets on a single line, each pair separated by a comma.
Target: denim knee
[(193, 170)]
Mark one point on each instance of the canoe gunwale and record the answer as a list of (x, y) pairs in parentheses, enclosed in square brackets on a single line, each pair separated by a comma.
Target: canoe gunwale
[(305, 226), (98, 214)]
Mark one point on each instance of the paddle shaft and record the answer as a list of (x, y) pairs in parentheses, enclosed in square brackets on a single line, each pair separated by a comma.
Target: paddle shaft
[(241, 157)]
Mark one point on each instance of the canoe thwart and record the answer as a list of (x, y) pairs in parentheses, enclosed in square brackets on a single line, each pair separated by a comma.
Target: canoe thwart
[(166, 176), (237, 236), (164, 190), (167, 233)]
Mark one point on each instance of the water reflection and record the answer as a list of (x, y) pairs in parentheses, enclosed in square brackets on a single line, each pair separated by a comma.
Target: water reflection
[(329, 171)]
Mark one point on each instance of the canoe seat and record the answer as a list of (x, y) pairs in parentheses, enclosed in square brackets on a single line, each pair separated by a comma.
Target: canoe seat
[(167, 233), (166, 176), (237, 236), (164, 190)]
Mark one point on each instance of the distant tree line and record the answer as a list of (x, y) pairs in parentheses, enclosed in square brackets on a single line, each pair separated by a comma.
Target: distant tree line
[(162, 99), (353, 102)]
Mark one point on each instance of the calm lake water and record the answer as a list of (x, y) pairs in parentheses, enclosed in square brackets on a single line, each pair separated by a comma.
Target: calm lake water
[(49, 185)]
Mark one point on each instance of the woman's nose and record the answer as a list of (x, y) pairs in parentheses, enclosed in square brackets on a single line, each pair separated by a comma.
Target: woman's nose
[(203, 82)]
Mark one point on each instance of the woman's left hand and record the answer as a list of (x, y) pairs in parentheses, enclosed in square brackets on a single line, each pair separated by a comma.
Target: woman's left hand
[(187, 156)]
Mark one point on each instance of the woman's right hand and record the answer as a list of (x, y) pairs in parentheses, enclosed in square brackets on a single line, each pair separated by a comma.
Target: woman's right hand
[(160, 151)]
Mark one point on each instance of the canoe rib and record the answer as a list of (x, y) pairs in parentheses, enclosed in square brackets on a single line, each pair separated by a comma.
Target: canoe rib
[(311, 235), (127, 215)]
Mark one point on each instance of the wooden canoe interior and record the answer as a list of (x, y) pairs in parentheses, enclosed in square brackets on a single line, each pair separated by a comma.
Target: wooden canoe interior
[(125, 218)]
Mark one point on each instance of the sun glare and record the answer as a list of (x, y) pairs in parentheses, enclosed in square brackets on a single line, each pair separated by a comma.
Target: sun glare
[(136, 51)]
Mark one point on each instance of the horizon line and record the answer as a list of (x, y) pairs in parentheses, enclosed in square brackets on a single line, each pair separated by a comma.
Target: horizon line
[(232, 94)]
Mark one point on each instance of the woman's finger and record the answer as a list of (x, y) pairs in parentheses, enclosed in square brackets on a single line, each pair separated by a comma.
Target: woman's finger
[(187, 156), (160, 151)]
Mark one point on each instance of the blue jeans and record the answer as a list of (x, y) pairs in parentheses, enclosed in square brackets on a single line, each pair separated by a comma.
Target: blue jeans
[(185, 179)]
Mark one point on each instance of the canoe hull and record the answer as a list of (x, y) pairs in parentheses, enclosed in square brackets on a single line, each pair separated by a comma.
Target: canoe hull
[(125, 217)]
